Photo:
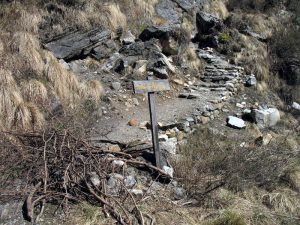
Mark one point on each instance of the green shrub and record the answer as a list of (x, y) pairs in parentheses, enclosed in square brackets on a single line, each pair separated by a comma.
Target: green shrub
[(224, 38)]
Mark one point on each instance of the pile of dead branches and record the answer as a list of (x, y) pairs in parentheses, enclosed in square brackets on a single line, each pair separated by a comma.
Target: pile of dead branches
[(59, 167)]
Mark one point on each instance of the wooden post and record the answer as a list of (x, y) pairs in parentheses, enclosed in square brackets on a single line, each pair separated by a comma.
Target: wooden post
[(150, 86)]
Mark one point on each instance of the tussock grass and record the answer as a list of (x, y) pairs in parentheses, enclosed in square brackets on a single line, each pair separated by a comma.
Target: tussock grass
[(34, 91), (192, 59), (218, 8), (115, 17)]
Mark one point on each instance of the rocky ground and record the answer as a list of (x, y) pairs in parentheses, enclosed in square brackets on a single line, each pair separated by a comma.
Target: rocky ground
[(218, 95)]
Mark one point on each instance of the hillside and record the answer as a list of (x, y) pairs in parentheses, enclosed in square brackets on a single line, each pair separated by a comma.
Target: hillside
[(76, 140)]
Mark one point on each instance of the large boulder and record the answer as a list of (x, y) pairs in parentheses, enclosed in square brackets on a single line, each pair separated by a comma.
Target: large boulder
[(77, 44), (167, 10), (172, 39), (206, 23), (266, 117)]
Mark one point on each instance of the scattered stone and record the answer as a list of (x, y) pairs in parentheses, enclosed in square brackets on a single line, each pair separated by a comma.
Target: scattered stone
[(171, 133), (179, 193), (118, 163), (133, 123), (94, 179), (235, 122), (296, 106), (266, 117), (129, 181), (135, 101), (163, 137), (168, 170), (204, 119), (130, 38), (251, 81), (264, 140), (114, 148), (137, 193), (116, 85), (114, 185), (178, 81), (168, 146), (239, 105)]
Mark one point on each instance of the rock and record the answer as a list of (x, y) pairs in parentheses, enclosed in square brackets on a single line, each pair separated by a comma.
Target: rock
[(78, 66), (206, 22), (235, 122), (168, 170), (114, 148), (171, 133), (116, 85), (140, 66), (248, 31), (114, 185), (129, 181), (264, 140), (133, 49), (266, 117), (168, 146), (105, 50), (129, 38), (239, 105), (296, 106), (203, 119), (133, 123), (251, 81), (179, 193), (171, 38), (135, 101), (94, 179), (118, 163), (163, 137), (167, 10), (180, 136), (161, 73), (76, 44), (137, 193), (115, 62), (64, 64)]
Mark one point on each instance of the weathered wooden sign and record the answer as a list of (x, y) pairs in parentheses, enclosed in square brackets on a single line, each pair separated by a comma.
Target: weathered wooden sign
[(150, 86), (146, 86)]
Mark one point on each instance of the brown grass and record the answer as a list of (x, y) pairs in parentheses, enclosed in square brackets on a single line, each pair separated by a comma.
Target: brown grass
[(218, 8), (34, 91)]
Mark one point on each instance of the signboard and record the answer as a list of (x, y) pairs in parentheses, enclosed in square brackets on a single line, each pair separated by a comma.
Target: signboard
[(150, 86)]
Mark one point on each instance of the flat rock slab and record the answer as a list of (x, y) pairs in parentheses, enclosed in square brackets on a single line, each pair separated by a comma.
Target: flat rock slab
[(236, 122), (76, 44)]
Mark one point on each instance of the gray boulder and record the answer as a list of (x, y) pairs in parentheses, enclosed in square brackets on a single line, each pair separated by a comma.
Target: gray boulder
[(266, 117), (236, 122), (206, 22), (172, 39), (167, 9), (251, 81), (77, 44)]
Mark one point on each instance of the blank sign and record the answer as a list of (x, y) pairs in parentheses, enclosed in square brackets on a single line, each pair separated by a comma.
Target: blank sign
[(145, 86)]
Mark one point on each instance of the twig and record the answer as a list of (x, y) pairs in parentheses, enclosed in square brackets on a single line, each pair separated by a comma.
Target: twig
[(29, 204)]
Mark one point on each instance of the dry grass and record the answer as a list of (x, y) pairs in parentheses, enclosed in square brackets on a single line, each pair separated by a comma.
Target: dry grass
[(193, 60), (254, 57), (218, 8), (34, 91), (115, 17)]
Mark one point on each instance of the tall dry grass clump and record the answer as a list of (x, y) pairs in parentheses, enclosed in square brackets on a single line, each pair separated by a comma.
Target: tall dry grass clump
[(34, 91), (218, 8), (14, 112), (113, 17)]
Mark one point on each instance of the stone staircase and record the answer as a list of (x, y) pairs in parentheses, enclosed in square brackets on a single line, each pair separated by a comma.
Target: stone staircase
[(219, 76)]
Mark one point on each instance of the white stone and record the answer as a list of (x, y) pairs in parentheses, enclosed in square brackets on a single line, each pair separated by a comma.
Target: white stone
[(266, 117), (119, 163), (236, 122), (296, 106), (168, 170)]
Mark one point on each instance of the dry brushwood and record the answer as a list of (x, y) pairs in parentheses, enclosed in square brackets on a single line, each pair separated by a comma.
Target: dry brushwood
[(60, 165)]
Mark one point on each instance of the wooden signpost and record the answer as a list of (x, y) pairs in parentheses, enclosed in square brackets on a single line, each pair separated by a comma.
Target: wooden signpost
[(150, 86)]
